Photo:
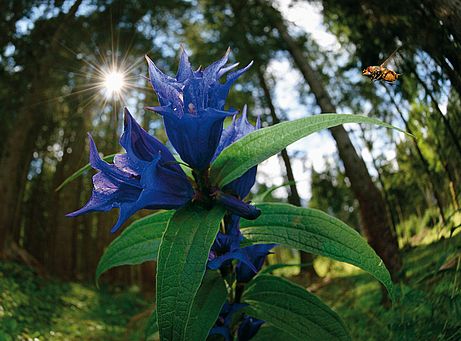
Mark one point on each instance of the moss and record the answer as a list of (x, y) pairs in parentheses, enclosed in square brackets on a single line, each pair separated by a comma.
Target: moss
[(37, 309)]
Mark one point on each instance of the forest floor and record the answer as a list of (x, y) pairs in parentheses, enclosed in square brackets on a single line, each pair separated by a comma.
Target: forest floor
[(429, 298), (33, 308), (428, 308)]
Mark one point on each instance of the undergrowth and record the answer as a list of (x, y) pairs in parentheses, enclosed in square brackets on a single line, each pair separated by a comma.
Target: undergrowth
[(32, 308)]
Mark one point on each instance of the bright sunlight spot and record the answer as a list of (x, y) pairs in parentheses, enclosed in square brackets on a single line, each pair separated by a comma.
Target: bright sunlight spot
[(114, 82)]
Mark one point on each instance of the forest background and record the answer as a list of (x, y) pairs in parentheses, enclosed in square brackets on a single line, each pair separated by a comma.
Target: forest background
[(402, 194)]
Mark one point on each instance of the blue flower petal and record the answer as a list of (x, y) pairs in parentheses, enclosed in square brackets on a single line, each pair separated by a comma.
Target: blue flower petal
[(195, 137), (168, 89), (238, 129), (257, 255), (220, 91), (239, 255), (147, 176), (211, 72), (139, 143), (110, 170), (223, 331), (248, 328), (237, 206), (184, 70)]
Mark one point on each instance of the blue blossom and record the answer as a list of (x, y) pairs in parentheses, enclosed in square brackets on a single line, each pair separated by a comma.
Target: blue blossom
[(238, 129), (192, 106), (237, 206), (147, 176), (226, 247), (248, 328), (257, 254), (223, 324)]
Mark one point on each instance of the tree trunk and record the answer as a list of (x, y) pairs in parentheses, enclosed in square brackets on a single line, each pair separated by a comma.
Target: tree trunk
[(449, 13), (369, 145), (14, 166), (374, 218), (65, 201), (293, 197), (20, 142)]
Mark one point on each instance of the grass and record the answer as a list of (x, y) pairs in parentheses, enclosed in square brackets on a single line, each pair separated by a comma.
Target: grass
[(429, 299), (32, 308)]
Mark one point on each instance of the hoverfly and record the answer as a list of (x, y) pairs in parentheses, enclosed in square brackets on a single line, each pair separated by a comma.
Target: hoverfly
[(381, 72)]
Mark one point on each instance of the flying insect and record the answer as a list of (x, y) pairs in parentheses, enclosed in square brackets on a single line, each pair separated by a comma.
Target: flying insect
[(381, 72)]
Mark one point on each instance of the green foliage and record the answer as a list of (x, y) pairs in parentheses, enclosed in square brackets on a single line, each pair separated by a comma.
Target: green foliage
[(293, 310), (258, 146), (269, 332), (414, 229), (151, 330), (206, 307), (138, 243), (182, 259), (316, 232), (428, 305), (32, 308)]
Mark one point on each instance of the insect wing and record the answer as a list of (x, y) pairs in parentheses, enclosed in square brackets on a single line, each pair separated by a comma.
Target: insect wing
[(390, 57)]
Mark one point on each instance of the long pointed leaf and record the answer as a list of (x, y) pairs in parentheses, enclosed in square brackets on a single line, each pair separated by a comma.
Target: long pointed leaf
[(181, 265), (316, 232), (151, 327), (207, 304), (293, 310), (261, 144)]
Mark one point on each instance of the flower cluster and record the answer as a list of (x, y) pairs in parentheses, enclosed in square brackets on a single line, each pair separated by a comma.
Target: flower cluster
[(148, 176), (248, 327)]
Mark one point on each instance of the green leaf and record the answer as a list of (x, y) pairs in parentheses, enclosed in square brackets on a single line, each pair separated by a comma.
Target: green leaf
[(108, 158), (138, 243), (186, 169), (293, 310), (316, 232), (271, 268), (151, 327), (262, 197), (181, 265), (261, 144), (207, 304), (269, 332)]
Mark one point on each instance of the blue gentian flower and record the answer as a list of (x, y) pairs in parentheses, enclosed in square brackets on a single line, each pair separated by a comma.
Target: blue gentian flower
[(238, 129), (223, 324), (248, 328), (257, 254), (237, 206), (147, 176), (226, 247), (192, 106)]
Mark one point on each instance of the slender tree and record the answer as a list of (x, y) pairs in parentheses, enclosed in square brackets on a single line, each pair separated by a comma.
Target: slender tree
[(293, 197)]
